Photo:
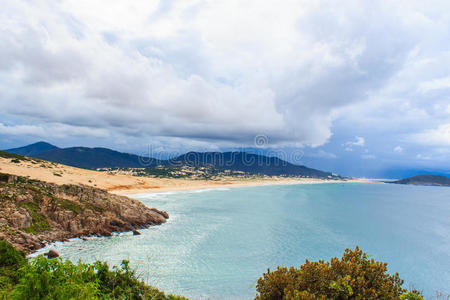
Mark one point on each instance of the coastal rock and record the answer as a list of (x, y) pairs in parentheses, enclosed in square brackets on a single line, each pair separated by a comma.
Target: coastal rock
[(163, 213), (52, 254), (21, 218), (135, 232), (47, 212), (105, 233)]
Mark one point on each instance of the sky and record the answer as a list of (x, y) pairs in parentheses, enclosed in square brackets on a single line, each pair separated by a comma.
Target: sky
[(361, 88)]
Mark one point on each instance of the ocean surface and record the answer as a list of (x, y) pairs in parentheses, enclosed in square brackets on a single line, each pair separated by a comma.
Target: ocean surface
[(217, 243)]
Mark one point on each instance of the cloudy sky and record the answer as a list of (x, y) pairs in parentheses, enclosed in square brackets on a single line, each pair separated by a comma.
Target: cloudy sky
[(358, 87)]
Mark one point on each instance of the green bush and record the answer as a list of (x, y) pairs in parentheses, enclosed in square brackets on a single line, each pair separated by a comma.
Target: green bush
[(9, 256), (354, 276), (56, 279), (10, 261), (53, 279), (44, 278)]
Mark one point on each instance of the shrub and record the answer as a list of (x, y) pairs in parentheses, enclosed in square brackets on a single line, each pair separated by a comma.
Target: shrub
[(9, 256), (354, 276), (10, 261), (53, 279), (44, 278), (56, 279)]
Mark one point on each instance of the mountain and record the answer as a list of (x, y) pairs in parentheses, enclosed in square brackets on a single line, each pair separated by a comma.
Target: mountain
[(434, 180), (246, 162), (33, 149), (93, 158)]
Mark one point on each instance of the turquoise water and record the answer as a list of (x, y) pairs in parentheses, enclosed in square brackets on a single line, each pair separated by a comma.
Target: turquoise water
[(217, 243)]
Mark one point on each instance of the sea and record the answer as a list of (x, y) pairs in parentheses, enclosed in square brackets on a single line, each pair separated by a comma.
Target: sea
[(218, 242)]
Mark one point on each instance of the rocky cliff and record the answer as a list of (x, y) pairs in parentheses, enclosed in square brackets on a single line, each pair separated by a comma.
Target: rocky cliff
[(34, 213)]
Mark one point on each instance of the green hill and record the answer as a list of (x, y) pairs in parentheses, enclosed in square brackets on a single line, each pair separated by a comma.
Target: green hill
[(94, 158), (33, 149)]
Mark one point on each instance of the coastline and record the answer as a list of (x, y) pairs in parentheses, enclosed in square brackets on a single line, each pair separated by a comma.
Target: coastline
[(34, 213), (122, 184), (194, 185)]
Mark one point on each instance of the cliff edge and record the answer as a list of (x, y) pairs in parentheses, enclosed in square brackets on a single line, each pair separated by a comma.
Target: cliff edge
[(34, 213)]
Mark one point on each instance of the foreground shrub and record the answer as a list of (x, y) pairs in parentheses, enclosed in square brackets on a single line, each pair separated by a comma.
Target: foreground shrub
[(10, 262), (44, 278), (354, 276)]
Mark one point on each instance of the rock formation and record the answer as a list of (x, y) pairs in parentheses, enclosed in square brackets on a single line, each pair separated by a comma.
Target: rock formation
[(34, 213)]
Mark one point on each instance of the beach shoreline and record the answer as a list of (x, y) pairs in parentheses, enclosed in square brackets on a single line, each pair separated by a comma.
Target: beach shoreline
[(213, 185), (123, 184)]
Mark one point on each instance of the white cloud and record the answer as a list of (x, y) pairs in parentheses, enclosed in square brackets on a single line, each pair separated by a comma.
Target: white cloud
[(423, 157), (435, 84), (368, 156), (21, 130), (398, 149), (58, 131), (433, 137), (358, 142), (145, 67)]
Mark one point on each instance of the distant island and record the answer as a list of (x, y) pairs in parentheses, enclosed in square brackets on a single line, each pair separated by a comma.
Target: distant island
[(431, 180)]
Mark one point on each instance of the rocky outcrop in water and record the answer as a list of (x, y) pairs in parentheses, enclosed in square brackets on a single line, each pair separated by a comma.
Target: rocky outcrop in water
[(34, 213)]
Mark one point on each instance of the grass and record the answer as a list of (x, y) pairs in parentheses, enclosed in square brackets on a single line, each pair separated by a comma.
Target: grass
[(33, 188), (69, 205), (93, 208), (39, 222), (13, 156)]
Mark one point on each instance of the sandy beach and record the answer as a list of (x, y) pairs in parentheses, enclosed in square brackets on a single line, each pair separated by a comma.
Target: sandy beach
[(126, 184)]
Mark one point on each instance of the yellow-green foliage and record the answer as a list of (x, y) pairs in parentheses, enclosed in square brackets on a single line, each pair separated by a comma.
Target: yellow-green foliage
[(354, 276)]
